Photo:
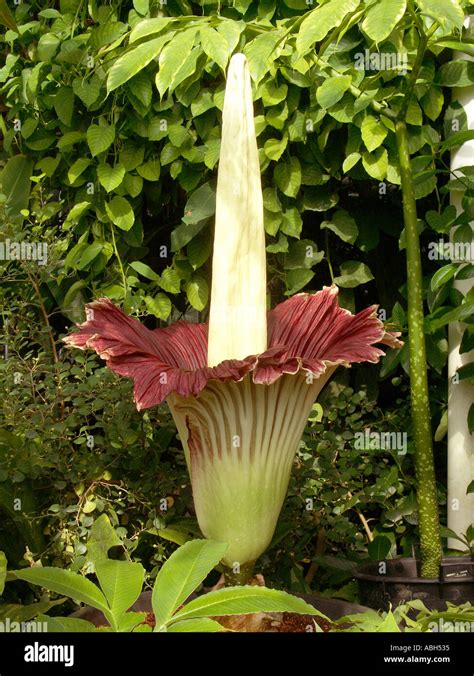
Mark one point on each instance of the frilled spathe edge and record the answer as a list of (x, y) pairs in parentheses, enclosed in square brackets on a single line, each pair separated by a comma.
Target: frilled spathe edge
[(307, 331)]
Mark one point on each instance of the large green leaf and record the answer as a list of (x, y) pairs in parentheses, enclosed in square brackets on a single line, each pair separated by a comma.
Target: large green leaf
[(197, 291), (319, 21), (332, 90), (134, 61), (99, 138), (149, 27), (443, 11), (110, 177), (373, 132), (173, 57), (66, 583), (243, 600), (260, 53), (288, 176), (215, 46), (181, 574), (120, 213), (382, 17), (343, 225), (121, 582), (15, 185), (352, 274), (201, 204)]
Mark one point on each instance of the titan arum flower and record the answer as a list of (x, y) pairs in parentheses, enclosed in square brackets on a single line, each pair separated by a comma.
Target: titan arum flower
[(240, 390)]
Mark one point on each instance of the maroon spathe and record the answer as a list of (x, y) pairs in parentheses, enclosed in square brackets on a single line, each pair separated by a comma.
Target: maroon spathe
[(307, 331)]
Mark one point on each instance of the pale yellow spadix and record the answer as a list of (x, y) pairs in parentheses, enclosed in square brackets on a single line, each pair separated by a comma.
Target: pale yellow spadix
[(237, 318)]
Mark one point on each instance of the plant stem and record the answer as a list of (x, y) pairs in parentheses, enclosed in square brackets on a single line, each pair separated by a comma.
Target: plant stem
[(239, 578), (430, 541)]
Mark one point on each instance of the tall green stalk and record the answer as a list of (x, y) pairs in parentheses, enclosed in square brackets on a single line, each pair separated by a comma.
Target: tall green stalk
[(430, 540)]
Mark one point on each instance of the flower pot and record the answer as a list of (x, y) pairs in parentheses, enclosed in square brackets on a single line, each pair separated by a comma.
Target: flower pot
[(396, 581)]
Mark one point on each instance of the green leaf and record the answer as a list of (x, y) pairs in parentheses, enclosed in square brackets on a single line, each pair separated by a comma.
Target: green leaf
[(181, 574), (66, 583), (352, 274), (141, 6), (120, 213), (381, 18), (272, 94), (466, 371), (332, 90), (76, 212), (64, 105), (376, 163), (199, 249), (149, 27), (343, 225), (102, 538), (443, 11), (231, 31), (100, 138), (261, 52), (297, 279), (77, 168), (457, 139), (47, 47), (319, 21), (173, 58), (373, 132), (274, 148), (150, 170), (106, 34), (7, 18), (88, 255), (215, 46), (110, 177), (121, 582), (197, 291), (3, 571), (66, 624), (134, 61), (159, 305), (456, 74), (302, 254), (379, 548), (145, 270), (350, 161), (287, 176), (170, 280), (291, 222), (244, 600), (88, 92), (201, 204), (15, 185), (197, 624), (432, 102), (442, 276)]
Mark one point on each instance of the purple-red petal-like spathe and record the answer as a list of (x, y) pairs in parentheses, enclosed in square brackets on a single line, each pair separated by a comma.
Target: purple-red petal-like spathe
[(307, 331)]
